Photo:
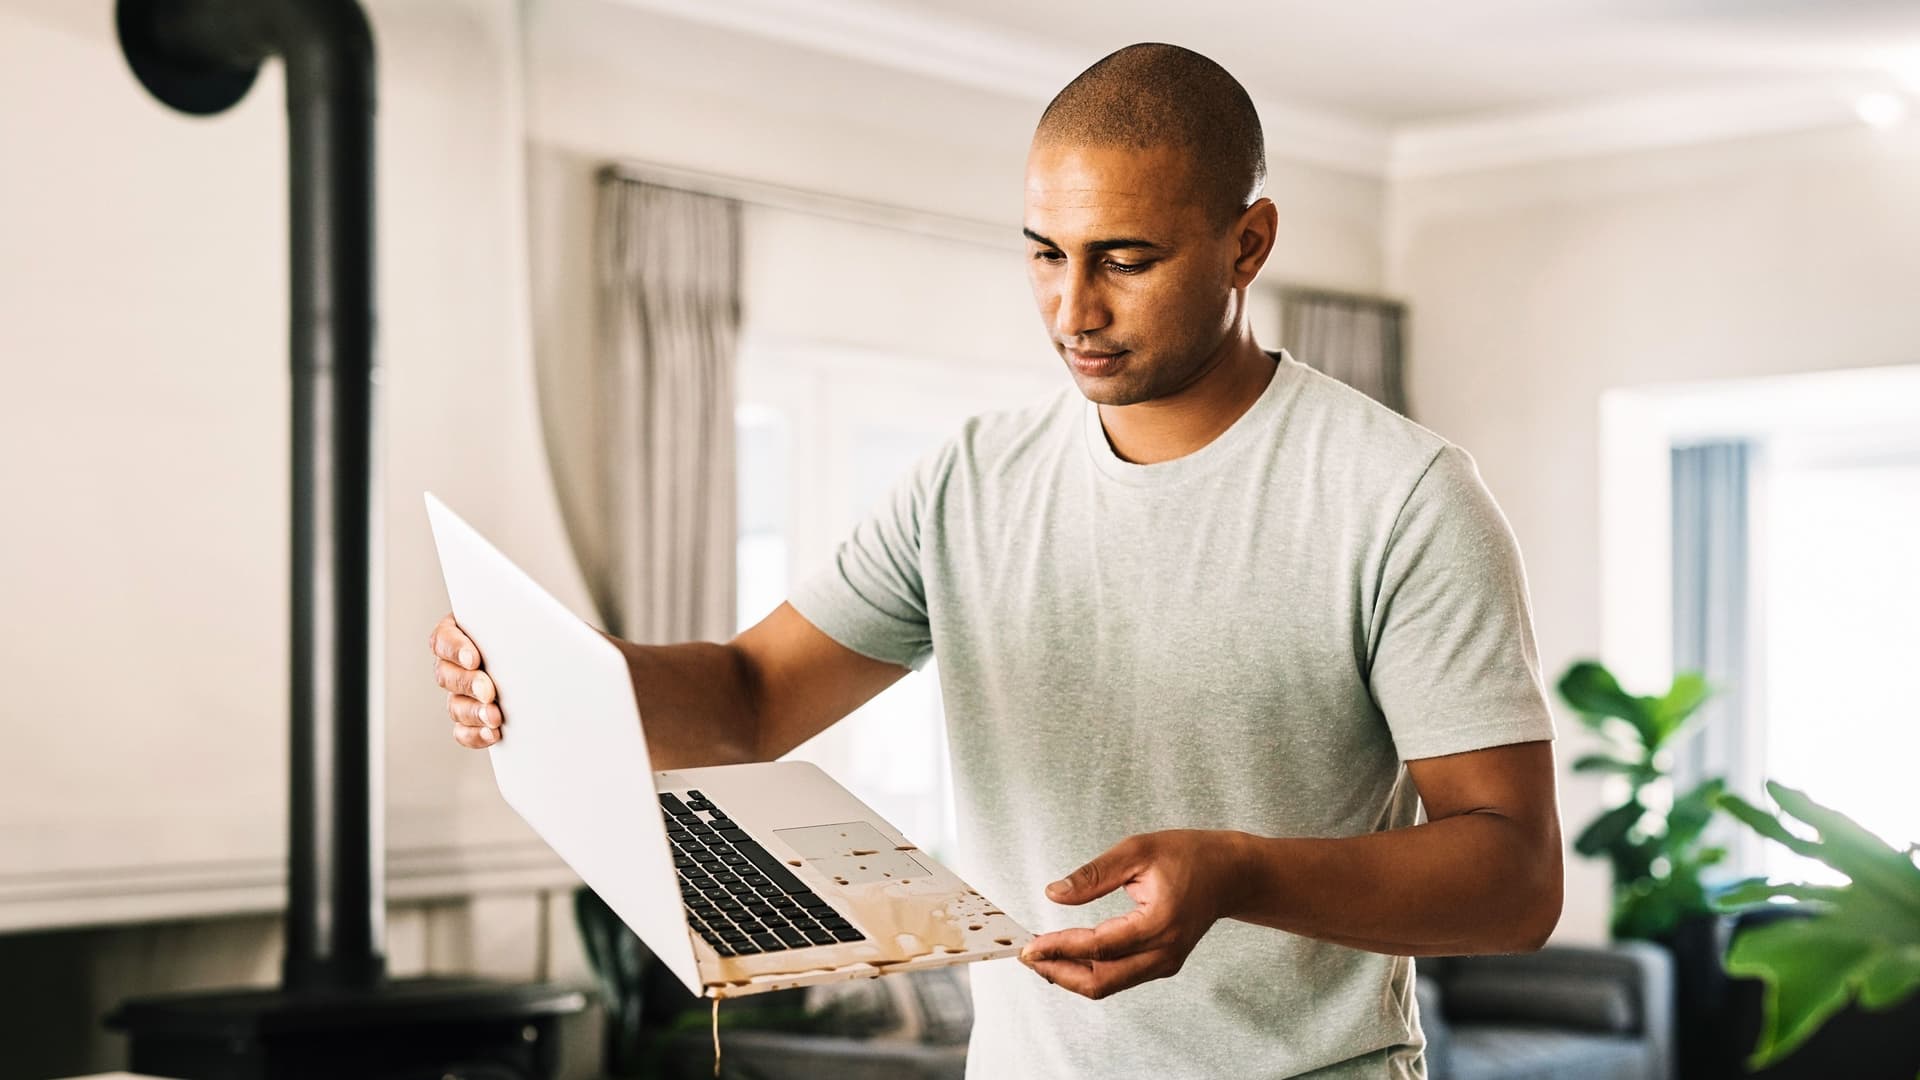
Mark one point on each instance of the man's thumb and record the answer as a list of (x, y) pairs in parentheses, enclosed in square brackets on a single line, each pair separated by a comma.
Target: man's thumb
[(1091, 882)]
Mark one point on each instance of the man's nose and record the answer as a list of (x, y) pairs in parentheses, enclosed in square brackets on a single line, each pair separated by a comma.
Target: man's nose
[(1081, 308)]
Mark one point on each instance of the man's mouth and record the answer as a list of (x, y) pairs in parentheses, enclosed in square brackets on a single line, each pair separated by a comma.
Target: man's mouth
[(1095, 363)]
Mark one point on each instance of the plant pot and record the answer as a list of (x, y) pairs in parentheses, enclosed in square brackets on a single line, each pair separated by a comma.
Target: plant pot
[(1702, 1020), (1853, 1043)]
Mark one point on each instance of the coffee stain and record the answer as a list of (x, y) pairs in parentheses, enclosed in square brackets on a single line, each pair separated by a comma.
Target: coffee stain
[(975, 926), (793, 862), (716, 1036), (866, 852), (905, 847), (902, 925), (1003, 941)]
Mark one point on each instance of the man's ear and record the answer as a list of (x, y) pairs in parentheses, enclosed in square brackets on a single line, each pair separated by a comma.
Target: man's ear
[(1253, 236)]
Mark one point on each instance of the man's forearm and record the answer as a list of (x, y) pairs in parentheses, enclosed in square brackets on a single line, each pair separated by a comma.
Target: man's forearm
[(698, 702), (1470, 883)]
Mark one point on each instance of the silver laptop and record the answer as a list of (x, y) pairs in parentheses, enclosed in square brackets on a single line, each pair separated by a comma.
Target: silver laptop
[(740, 878)]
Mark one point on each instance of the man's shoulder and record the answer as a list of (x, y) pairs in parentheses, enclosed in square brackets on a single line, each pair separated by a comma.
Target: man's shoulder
[(1333, 410), (1345, 425)]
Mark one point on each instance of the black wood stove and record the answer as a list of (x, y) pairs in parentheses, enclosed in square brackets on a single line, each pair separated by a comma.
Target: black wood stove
[(336, 1015)]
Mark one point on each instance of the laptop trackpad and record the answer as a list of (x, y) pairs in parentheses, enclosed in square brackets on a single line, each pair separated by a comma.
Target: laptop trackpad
[(852, 853)]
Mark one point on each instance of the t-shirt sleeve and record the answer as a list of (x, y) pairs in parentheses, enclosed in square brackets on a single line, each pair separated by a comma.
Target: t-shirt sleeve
[(871, 597), (1453, 662)]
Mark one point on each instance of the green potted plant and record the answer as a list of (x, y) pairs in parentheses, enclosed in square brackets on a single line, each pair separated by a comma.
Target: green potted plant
[(1858, 942), (1656, 857), (1653, 842)]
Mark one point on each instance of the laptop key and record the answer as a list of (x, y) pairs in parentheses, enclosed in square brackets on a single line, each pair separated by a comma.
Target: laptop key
[(766, 940), (764, 861), (848, 934), (812, 901), (791, 936), (818, 936), (673, 804)]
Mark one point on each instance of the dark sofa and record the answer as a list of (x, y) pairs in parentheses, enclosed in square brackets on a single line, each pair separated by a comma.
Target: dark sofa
[(1563, 1013)]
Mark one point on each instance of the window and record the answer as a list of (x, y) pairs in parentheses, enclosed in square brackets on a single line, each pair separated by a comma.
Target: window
[(1841, 596), (1831, 597), (824, 434)]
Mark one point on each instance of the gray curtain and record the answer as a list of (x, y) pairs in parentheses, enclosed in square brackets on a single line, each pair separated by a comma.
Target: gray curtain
[(656, 536), (1355, 339), (1712, 625)]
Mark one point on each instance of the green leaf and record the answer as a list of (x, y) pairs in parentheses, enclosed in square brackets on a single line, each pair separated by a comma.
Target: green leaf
[(1766, 825), (1609, 828), (1758, 893), (1809, 969), (1891, 978), (1591, 689), (1708, 856), (1607, 763), (1693, 811), (1615, 731), (1869, 861), (1671, 711)]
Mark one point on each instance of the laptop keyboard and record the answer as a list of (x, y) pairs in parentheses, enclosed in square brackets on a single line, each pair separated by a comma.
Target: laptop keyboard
[(739, 898)]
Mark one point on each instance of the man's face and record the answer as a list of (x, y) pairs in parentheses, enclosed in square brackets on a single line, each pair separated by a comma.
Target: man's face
[(1123, 259)]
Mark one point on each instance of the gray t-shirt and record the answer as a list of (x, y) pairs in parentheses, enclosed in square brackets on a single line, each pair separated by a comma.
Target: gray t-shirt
[(1254, 636)]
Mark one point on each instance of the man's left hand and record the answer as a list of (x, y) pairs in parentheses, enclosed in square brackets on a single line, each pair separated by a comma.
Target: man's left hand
[(1184, 880)]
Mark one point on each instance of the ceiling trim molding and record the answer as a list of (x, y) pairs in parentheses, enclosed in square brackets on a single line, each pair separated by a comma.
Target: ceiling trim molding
[(1650, 122), (970, 54)]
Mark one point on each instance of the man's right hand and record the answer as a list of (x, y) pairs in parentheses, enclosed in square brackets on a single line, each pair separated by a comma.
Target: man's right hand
[(470, 691)]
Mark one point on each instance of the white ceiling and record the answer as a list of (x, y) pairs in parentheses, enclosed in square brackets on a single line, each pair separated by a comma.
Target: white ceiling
[(1400, 62), (1409, 87)]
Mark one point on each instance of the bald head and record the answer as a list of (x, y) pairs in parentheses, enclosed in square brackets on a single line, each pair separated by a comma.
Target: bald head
[(1152, 95)]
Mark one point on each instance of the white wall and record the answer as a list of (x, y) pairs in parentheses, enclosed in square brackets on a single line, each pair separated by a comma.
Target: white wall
[(143, 430), (1534, 290), (143, 321)]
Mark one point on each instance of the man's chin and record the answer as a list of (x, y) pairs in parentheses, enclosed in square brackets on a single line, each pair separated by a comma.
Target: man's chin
[(1116, 389)]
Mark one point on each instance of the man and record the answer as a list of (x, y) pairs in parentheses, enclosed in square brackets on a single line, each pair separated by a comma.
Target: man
[(1216, 620)]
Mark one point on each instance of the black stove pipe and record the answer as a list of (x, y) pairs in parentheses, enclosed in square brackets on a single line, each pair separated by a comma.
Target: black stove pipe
[(201, 56)]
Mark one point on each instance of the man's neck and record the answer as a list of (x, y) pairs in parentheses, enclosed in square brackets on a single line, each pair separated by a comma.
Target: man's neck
[(1177, 425)]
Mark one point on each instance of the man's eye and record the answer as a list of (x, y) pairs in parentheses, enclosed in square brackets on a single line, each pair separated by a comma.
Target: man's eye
[(1128, 268)]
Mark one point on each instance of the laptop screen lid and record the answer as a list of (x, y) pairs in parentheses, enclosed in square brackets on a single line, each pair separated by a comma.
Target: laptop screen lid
[(573, 761)]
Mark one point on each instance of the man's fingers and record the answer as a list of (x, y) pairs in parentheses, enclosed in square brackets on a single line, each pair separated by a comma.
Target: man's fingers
[(449, 642), (1101, 979), (1107, 872), (465, 710), (1113, 939), (473, 684), (475, 738)]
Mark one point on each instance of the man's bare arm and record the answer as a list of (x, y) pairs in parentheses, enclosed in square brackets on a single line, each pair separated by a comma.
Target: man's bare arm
[(751, 699), (1482, 876)]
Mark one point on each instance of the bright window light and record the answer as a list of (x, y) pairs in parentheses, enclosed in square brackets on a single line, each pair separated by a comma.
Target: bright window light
[(1842, 631)]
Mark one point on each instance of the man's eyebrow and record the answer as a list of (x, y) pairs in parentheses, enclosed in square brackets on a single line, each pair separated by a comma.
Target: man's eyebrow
[(1114, 244)]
